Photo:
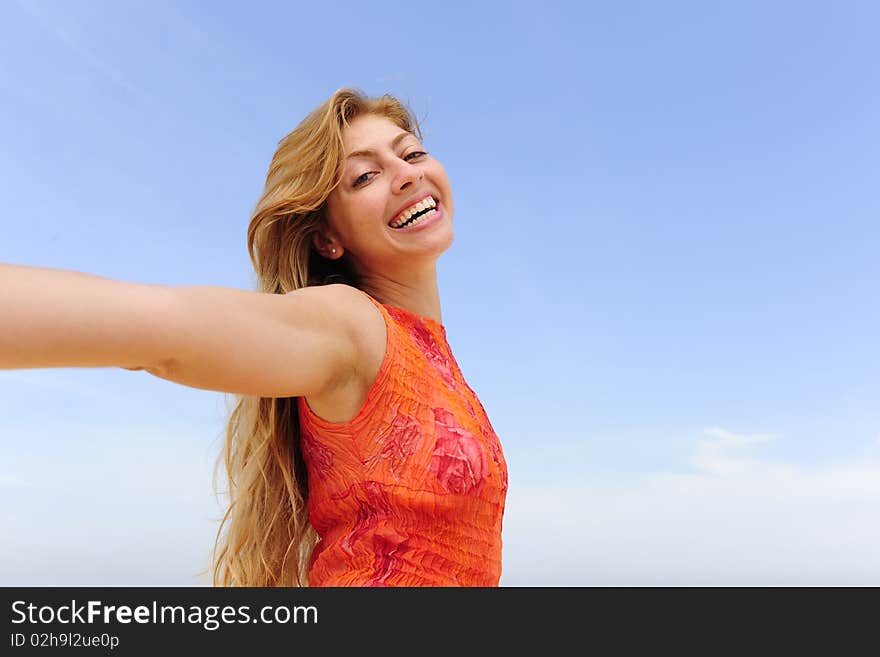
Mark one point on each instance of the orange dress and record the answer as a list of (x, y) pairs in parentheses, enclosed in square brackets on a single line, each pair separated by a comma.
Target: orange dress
[(411, 491)]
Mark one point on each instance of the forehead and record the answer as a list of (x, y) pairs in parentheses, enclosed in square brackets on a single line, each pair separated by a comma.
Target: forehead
[(369, 132)]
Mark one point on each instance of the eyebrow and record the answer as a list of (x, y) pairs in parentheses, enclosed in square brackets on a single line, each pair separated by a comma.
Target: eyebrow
[(369, 151)]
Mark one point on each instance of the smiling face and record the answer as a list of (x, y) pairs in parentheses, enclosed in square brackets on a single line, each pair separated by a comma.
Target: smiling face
[(376, 187)]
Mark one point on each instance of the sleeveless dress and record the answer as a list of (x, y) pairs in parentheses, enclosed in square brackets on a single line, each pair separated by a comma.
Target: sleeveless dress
[(411, 491)]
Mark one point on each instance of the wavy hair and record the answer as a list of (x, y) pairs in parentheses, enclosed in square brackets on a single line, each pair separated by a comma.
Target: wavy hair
[(268, 539)]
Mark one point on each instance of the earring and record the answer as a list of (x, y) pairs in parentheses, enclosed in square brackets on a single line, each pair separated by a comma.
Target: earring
[(332, 250)]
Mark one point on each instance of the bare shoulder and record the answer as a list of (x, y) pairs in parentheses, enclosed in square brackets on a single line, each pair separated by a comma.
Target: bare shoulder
[(367, 325), (341, 402), (351, 306)]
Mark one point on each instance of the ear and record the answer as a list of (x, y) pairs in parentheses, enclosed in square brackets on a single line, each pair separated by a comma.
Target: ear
[(326, 245)]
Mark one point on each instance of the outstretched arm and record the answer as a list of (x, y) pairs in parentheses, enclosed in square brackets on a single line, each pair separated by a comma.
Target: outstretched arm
[(205, 337)]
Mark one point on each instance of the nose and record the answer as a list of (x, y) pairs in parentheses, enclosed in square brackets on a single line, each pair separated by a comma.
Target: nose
[(407, 175)]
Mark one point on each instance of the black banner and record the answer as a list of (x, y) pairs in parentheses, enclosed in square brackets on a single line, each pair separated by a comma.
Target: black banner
[(133, 621)]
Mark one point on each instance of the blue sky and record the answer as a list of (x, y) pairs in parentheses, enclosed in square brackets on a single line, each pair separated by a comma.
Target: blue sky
[(662, 286)]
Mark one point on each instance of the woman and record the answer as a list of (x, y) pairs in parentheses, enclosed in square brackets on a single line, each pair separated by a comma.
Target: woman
[(356, 455)]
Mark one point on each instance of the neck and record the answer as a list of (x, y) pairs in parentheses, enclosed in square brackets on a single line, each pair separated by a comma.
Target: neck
[(414, 291)]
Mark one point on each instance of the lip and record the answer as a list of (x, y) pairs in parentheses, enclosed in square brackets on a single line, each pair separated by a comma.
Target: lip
[(410, 204), (424, 223)]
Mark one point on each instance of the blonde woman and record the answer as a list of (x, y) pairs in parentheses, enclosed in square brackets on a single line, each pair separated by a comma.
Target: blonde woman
[(357, 454)]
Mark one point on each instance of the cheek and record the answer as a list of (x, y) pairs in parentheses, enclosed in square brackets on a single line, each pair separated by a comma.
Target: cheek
[(363, 213), (445, 187), (438, 173), (352, 214)]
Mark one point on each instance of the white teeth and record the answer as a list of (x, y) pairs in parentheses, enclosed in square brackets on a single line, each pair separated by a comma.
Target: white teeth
[(424, 216), (405, 215)]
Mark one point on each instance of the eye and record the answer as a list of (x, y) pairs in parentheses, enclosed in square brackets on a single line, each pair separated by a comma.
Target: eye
[(363, 177)]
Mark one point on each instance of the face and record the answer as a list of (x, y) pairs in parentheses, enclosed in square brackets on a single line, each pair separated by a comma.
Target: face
[(375, 189)]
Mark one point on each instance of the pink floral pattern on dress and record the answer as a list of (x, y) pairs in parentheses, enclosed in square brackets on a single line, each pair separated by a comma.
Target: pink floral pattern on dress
[(369, 511), (434, 353), (459, 460), (491, 440), (388, 544), (374, 511), (428, 345), (494, 446), (402, 441), (318, 457)]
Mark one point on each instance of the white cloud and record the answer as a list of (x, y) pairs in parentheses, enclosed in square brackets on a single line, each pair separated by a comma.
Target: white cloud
[(137, 507), (725, 453), (134, 507), (735, 520)]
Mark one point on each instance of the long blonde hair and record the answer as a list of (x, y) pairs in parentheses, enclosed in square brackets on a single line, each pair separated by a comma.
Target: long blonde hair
[(269, 540)]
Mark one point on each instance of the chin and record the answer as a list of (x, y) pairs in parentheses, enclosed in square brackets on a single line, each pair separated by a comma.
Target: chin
[(437, 247)]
